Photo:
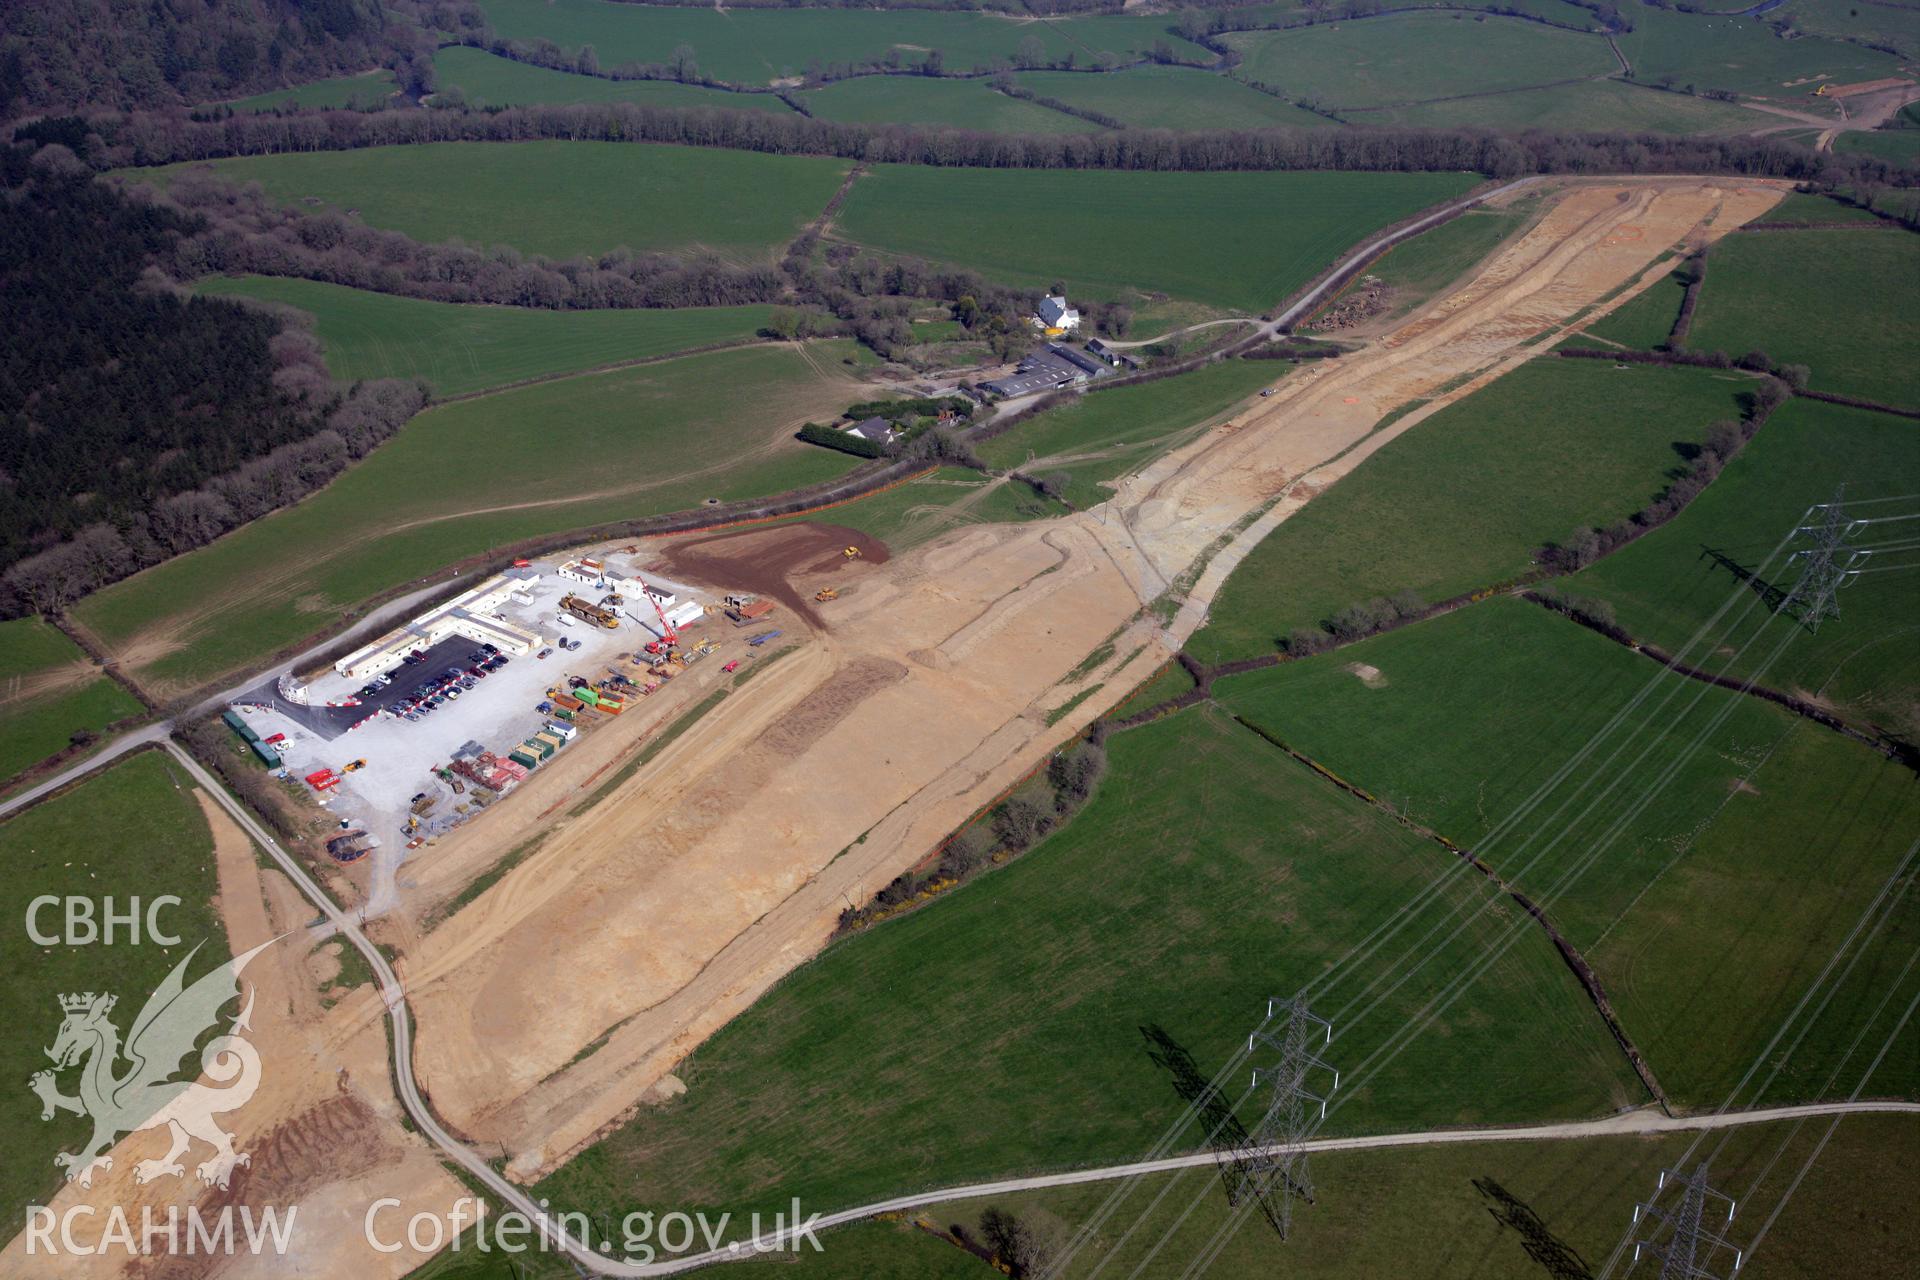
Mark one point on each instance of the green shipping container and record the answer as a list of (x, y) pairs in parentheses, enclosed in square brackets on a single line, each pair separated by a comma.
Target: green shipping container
[(539, 748), (240, 726), (268, 756), (524, 758), (552, 740), (589, 696)]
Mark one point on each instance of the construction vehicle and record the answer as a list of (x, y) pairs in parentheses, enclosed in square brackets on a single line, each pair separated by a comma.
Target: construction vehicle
[(851, 553), (668, 636), (354, 766), (825, 594), (589, 613)]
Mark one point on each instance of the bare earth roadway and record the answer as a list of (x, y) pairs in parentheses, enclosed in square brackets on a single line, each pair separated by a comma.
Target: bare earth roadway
[(944, 676), (961, 612)]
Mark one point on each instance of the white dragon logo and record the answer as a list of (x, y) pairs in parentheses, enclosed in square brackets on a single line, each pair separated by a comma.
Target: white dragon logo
[(144, 1095)]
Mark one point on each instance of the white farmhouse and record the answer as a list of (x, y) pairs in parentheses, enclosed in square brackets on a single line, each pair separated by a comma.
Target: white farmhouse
[(1054, 314)]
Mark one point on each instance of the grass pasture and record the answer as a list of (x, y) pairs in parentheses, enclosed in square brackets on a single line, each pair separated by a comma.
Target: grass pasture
[(1464, 498), (1204, 847), (1895, 146), (1171, 98), (1740, 53), (1662, 857), (755, 46), (463, 477), (461, 348), (1101, 436), (1642, 322), (1839, 302), (1666, 585), (48, 692), (945, 499), (960, 104), (132, 831), (1613, 105), (490, 81), (1489, 1211), (557, 198), (1409, 58), (1246, 239)]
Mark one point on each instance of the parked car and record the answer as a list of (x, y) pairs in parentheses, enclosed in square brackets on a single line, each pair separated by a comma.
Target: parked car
[(545, 653)]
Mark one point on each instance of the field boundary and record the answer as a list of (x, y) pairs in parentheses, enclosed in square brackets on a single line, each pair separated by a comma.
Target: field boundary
[(1576, 963), (1892, 748)]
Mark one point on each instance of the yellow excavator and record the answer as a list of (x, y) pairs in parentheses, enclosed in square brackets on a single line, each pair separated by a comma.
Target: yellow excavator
[(826, 593), (851, 553)]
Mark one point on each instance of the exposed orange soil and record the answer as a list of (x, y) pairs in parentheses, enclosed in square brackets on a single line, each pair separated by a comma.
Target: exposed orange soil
[(637, 929)]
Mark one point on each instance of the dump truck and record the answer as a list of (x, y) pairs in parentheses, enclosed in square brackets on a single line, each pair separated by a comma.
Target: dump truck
[(589, 612)]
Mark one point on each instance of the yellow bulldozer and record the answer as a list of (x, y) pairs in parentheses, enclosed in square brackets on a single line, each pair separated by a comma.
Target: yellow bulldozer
[(851, 553), (825, 594)]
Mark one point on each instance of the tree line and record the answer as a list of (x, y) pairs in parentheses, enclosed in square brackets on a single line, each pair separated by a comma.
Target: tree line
[(239, 229), (152, 137), (136, 421)]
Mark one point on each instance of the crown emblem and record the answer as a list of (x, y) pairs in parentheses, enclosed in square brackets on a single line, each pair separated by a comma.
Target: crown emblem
[(82, 1001)]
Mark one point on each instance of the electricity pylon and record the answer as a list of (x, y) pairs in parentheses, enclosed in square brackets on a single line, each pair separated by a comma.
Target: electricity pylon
[(1822, 571), (1272, 1160), (1686, 1252)]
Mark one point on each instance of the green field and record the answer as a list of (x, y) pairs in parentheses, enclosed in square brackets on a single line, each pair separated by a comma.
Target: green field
[(366, 90), (962, 104), (1416, 57), (1885, 23), (1419, 268), (1740, 53), (1207, 873), (1171, 98), (1895, 146), (557, 198), (1839, 302), (490, 81), (947, 498), (1667, 584), (1604, 105), (1107, 434), (1464, 498), (464, 477), (754, 46), (48, 692), (1492, 1211), (132, 832), (460, 348), (1805, 209), (1243, 240), (1663, 856), (1642, 322)]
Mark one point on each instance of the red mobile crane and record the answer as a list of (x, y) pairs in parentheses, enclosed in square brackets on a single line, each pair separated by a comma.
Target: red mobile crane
[(668, 636)]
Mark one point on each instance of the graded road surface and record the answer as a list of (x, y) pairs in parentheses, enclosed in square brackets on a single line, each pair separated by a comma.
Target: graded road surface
[(642, 925)]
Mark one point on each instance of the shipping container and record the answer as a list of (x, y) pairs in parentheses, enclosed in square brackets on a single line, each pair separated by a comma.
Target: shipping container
[(553, 740), (588, 694), (612, 706), (540, 750), (524, 758)]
